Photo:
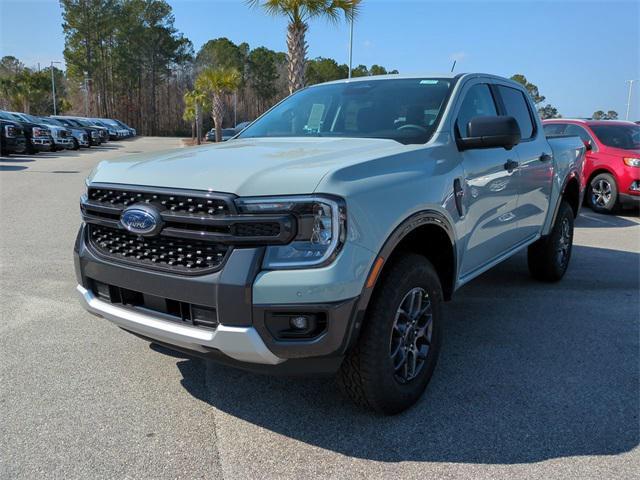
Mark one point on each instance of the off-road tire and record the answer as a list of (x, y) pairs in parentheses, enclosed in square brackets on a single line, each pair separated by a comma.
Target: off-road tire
[(546, 261), (367, 374)]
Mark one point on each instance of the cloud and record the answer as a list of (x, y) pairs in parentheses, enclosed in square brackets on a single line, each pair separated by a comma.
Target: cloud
[(458, 56), (367, 44)]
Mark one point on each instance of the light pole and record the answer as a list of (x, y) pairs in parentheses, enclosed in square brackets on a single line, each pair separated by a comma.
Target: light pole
[(53, 89), (630, 82), (351, 44), (86, 94)]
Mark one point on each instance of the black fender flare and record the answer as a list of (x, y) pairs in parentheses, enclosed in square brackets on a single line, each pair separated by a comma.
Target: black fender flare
[(411, 223)]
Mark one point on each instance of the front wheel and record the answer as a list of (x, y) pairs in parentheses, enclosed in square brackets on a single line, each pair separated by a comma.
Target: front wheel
[(603, 193), (549, 256), (394, 359)]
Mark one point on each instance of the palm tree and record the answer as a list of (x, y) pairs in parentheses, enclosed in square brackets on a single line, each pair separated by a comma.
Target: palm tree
[(194, 101), (298, 13), (219, 82)]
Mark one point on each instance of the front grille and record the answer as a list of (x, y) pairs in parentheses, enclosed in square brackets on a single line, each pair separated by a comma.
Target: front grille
[(159, 252), (174, 203), (198, 229)]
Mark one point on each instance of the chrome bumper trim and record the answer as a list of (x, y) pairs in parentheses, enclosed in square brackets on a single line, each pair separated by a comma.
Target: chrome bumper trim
[(241, 343)]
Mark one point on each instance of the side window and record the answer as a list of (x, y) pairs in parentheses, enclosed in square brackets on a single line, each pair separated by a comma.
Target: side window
[(580, 132), (478, 102), (516, 106), (554, 129)]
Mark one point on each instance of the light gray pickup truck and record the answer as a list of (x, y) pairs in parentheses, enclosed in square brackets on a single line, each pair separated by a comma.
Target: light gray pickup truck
[(326, 235)]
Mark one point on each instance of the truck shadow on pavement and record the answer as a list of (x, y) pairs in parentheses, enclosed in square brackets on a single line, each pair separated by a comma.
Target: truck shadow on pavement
[(528, 372)]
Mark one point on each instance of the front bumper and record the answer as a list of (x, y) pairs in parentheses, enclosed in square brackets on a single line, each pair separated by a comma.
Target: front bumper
[(240, 343), (15, 144), (41, 143), (244, 336), (63, 142)]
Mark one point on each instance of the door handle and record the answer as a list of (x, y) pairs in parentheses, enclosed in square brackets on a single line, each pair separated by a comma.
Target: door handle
[(544, 157), (511, 165)]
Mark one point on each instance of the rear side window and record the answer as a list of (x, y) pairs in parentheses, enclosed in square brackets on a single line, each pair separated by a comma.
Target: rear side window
[(516, 106), (578, 131), (478, 102), (554, 129)]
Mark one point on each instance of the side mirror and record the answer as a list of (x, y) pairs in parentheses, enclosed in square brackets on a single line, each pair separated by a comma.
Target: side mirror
[(491, 132), (587, 145)]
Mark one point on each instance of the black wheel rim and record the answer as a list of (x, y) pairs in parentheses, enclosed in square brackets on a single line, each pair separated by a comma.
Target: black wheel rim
[(411, 335), (564, 242)]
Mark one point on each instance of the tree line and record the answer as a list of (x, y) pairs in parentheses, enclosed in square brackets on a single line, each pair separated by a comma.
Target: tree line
[(125, 59)]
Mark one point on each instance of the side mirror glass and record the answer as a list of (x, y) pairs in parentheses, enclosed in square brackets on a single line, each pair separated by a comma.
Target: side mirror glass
[(491, 132)]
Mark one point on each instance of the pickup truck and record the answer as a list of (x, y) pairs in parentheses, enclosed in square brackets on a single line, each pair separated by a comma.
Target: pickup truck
[(325, 237)]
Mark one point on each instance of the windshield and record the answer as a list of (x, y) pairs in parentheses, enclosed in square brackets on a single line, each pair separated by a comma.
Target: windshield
[(51, 121), (405, 110), (626, 137)]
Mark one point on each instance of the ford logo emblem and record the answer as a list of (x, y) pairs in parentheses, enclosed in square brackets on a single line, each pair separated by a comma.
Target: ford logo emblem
[(141, 220)]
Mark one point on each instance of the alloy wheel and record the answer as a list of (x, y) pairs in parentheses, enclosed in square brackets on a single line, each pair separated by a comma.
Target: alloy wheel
[(411, 335), (564, 242), (601, 193)]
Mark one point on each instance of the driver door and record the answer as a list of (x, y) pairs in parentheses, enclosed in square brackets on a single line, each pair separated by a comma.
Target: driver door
[(490, 192)]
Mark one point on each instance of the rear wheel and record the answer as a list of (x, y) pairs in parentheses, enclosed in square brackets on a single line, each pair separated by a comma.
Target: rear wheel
[(394, 359), (549, 257), (603, 193)]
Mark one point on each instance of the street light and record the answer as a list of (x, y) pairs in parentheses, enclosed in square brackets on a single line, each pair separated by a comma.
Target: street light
[(350, 44), (53, 88), (630, 82)]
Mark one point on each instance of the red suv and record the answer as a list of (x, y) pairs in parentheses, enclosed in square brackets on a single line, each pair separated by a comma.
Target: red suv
[(612, 166)]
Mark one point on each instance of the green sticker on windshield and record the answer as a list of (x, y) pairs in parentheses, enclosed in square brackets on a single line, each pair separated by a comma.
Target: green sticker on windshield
[(428, 82)]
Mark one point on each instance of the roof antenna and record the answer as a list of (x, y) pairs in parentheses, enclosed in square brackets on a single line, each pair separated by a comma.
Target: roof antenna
[(454, 65)]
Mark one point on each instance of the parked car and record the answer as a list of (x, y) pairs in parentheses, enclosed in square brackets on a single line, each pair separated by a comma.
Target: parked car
[(131, 131), (332, 234), (38, 136), (93, 132), (241, 126), (227, 134), (90, 123), (115, 131), (612, 166), (61, 136), (12, 138), (79, 136)]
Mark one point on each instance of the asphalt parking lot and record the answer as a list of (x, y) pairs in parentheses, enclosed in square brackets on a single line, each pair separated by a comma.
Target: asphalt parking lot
[(534, 381)]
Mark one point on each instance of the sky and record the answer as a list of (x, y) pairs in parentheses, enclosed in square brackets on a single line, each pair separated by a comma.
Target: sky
[(578, 52)]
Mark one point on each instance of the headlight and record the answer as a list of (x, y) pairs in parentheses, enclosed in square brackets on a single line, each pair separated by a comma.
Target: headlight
[(321, 229), (40, 132), (112, 132), (10, 131), (631, 161)]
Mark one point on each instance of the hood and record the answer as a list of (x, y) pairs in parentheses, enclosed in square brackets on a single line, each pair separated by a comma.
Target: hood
[(264, 166)]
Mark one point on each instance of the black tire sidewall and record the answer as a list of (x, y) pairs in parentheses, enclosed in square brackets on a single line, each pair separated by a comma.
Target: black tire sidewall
[(611, 205), (409, 272)]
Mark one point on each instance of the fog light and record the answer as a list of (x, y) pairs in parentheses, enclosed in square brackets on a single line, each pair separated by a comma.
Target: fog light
[(300, 322), (635, 186), (204, 316), (102, 289)]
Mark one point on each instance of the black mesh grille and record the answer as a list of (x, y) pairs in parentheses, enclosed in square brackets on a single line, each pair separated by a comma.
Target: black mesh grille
[(159, 252), (271, 229), (174, 203)]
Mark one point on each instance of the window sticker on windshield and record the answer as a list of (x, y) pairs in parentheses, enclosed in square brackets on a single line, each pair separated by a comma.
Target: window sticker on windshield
[(315, 117), (428, 82)]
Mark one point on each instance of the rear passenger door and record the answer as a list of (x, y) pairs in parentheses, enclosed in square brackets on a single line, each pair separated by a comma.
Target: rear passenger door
[(490, 193), (535, 162)]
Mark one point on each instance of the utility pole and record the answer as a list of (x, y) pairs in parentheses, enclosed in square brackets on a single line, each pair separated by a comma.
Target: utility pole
[(630, 82), (53, 89), (351, 45), (86, 94)]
